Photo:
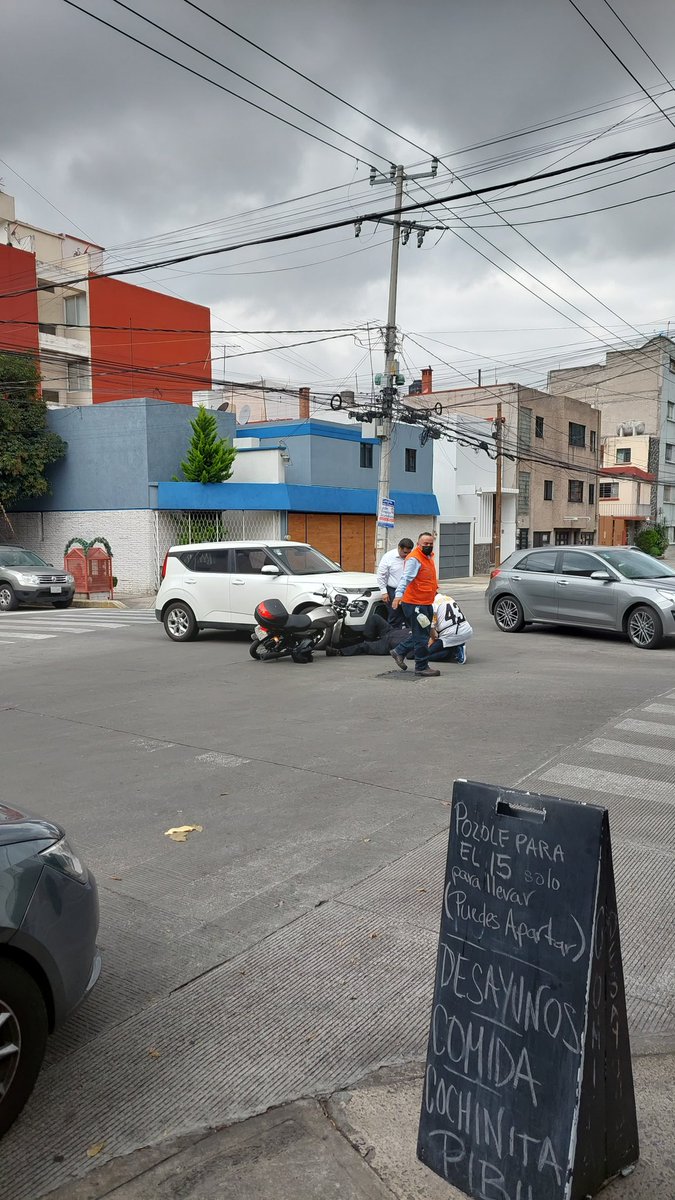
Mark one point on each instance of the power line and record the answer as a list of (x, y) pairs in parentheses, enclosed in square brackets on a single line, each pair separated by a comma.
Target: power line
[(618, 156), (238, 75), (207, 79), (620, 61)]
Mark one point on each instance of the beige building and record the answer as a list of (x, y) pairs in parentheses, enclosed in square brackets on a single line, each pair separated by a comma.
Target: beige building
[(635, 392), (551, 455)]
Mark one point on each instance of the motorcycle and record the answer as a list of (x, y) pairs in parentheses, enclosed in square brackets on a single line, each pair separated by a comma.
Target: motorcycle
[(280, 634)]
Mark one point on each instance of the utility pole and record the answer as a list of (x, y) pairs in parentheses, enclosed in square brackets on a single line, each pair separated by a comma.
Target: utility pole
[(398, 177), (497, 530)]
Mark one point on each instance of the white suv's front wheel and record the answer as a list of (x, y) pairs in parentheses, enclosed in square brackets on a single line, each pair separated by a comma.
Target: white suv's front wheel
[(180, 622)]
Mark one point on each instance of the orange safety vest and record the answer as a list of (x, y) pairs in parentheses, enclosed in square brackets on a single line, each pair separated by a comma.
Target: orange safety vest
[(424, 586)]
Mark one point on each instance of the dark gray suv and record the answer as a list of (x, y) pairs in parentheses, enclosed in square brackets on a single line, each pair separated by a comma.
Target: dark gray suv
[(598, 587), (25, 578)]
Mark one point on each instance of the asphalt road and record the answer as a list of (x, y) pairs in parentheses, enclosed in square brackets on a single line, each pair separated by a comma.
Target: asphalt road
[(288, 947)]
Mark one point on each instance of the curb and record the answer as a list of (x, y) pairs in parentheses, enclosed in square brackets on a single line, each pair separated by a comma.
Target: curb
[(77, 603)]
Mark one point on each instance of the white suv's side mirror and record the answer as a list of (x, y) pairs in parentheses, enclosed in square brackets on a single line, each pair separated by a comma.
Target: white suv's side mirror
[(603, 575), (270, 569)]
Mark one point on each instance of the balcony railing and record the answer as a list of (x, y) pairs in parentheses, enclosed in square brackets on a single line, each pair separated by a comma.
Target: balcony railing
[(617, 508)]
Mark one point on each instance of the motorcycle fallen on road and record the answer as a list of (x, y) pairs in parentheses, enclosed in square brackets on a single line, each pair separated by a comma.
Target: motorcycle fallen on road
[(280, 634)]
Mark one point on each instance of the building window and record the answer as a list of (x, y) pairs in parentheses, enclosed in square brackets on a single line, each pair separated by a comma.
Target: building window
[(548, 489), (523, 493), (525, 426), (575, 491), (594, 441), (76, 310), (411, 460), (672, 365), (608, 491), (78, 376), (522, 539), (667, 491), (577, 435), (539, 427), (670, 452), (623, 454), (562, 537), (591, 493), (541, 537), (587, 539), (671, 411), (367, 454)]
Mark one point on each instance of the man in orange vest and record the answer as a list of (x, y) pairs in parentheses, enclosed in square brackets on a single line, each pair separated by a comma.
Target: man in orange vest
[(416, 592)]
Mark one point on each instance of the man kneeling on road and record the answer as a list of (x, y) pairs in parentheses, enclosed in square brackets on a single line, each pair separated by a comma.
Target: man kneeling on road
[(449, 633), (416, 593)]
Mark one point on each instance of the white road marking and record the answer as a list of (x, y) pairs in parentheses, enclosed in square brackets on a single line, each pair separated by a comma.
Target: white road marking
[(34, 637), (212, 759), (652, 727), (668, 709), (632, 750), (630, 786)]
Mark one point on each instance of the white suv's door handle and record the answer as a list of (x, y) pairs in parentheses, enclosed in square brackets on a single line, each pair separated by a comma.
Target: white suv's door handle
[(518, 577), (238, 582), (191, 581), (562, 582)]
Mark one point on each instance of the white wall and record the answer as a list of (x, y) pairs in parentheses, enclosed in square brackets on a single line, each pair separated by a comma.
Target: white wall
[(253, 465), (130, 532)]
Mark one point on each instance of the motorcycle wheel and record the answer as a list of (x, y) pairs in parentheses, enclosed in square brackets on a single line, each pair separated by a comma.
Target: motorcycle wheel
[(262, 652)]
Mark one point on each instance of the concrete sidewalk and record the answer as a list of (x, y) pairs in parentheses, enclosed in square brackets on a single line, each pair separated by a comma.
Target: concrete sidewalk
[(358, 1144)]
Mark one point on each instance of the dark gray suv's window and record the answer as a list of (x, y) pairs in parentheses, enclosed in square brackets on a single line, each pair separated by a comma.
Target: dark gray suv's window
[(544, 561), (575, 562)]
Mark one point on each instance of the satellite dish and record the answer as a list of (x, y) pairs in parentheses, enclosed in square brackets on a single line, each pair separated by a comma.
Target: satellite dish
[(224, 406), (244, 414)]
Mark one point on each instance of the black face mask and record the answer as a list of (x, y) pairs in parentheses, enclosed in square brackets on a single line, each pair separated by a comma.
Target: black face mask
[(427, 550)]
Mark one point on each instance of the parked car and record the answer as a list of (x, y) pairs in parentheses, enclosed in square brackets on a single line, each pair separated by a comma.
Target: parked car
[(598, 587), (25, 578), (48, 955), (218, 585)]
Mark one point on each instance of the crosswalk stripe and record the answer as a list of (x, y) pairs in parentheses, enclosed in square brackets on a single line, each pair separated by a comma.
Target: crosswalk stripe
[(34, 637), (70, 626), (660, 708), (631, 750), (629, 786), (647, 727)]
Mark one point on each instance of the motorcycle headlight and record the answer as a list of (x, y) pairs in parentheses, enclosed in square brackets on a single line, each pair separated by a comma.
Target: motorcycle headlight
[(358, 607), (63, 858)]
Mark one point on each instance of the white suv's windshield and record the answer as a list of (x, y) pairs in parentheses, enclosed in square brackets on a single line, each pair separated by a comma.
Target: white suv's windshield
[(635, 565), (21, 558), (303, 560)]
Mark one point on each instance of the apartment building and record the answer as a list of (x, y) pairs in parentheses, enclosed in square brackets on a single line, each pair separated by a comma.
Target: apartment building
[(96, 338), (634, 389), (550, 458)]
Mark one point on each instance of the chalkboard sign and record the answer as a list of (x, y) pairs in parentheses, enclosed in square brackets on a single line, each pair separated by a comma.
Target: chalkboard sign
[(528, 1091)]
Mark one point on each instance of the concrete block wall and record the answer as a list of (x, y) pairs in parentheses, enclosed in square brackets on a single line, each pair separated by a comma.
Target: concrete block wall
[(129, 531)]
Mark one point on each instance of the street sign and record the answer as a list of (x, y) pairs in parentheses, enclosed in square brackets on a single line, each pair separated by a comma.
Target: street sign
[(528, 1090), (385, 517)]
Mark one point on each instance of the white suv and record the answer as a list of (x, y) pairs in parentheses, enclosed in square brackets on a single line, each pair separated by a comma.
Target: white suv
[(217, 585)]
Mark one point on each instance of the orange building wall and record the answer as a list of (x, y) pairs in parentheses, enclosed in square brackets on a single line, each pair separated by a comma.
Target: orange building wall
[(17, 273), (136, 360)]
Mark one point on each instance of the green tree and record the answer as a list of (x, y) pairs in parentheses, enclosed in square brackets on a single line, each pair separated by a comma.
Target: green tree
[(653, 539), (210, 458), (27, 446)]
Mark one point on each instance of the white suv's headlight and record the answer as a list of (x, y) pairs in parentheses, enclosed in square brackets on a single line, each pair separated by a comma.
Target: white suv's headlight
[(63, 858), (29, 580)]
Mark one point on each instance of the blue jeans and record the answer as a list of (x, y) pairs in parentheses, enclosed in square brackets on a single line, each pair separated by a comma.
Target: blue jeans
[(394, 615), (440, 653), (418, 641)]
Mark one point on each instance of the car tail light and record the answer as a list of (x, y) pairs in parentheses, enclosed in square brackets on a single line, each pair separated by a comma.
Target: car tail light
[(166, 559), (497, 571)]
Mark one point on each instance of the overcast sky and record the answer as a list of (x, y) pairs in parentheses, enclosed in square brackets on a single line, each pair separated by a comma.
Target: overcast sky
[(130, 147)]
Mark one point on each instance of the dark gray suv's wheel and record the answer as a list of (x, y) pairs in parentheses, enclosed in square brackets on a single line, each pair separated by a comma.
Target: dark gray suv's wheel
[(508, 614), (8, 600), (23, 1035), (180, 622), (644, 628)]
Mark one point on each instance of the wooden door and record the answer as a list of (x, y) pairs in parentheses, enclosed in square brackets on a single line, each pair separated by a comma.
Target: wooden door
[(297, 527), (323, 532)]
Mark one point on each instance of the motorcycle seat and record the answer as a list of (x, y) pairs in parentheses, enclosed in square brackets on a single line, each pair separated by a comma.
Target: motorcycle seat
[(298, 623)]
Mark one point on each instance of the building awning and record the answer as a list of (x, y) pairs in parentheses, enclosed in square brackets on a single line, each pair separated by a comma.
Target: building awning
[(629, 472), (283, 497)]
